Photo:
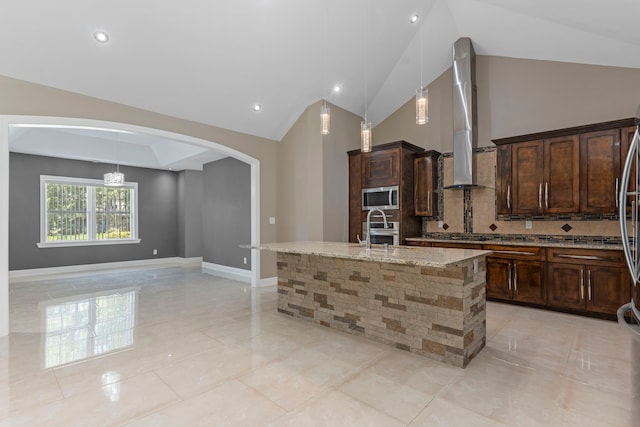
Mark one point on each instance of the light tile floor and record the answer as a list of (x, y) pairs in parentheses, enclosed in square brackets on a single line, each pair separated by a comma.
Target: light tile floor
[(175, 347)]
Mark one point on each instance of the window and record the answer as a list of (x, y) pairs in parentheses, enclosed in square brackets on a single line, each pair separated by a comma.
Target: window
[(77, 212)]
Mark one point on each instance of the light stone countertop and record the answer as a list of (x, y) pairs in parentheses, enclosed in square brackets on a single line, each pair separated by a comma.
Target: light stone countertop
[(541, 243), (411, 255)]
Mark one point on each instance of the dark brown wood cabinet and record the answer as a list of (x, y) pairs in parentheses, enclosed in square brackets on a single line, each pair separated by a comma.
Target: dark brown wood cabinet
[(516, 273), (526, 177), (504, 195), (425, 183), (388, 164), (587, 280), (381, 168), (561, 186), (564, 171), (600, 170), (626, 136), (542, 176)]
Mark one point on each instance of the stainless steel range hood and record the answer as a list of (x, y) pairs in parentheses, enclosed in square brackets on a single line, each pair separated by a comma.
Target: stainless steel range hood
[(465, 127)]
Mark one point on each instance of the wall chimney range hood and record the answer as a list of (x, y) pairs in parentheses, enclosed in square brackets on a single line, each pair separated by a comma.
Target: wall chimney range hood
[(465, 127)]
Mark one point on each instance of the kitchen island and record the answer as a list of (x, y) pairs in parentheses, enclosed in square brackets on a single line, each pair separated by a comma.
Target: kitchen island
[(429, 301)]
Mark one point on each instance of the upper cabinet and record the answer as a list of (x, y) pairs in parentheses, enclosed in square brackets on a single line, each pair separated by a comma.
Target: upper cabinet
[(600, 168), (567, 171), (381, 168), (425, 183)]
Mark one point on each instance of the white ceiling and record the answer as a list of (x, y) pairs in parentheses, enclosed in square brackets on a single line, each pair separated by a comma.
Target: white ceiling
[(210, 60)]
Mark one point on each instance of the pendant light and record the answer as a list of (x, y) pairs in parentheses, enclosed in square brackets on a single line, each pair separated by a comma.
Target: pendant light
[(365, 125), (422, 94), (115, 178), (325, 118)]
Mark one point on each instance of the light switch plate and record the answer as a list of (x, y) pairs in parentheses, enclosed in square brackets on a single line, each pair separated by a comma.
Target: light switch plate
[(272, 220)]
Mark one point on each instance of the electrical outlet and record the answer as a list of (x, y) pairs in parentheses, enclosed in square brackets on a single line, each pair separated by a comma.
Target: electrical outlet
[(475, 266), (528, 224), (244, 260), (155, 252), (440, 224)]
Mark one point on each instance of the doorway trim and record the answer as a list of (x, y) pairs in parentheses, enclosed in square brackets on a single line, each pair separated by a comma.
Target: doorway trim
[(8, 120)]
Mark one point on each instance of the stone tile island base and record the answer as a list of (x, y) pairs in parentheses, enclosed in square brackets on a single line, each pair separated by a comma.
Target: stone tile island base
[(438, 312)]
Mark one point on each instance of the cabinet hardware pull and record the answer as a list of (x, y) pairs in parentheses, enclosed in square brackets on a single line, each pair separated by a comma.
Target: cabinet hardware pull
[(589, 284), (514, 253), (546, 195), (509, 279), (540, 197), (589, 257), (509, 196), (581, 283), (617, 188), (515, 277), (429, 200)]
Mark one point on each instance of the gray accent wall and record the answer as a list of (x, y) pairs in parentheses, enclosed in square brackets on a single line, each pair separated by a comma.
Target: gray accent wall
[(227, 213), (157, 214), (190, 194)]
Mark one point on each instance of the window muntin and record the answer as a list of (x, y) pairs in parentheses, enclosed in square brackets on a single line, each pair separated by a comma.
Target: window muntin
[(76, 211)]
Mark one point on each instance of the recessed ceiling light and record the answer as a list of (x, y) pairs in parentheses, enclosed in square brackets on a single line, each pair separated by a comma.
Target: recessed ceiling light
[(337, 89), (414, 18), (101, 36), (257, 107)]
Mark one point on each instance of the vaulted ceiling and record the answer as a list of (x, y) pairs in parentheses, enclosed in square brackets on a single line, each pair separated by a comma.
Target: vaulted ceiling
[(210, 61)]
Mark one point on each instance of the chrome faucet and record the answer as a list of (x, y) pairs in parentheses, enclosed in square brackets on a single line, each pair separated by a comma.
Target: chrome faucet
[(386, 225)]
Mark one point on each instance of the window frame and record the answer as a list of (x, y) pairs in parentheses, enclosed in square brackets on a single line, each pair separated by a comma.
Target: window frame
[(91, 185)]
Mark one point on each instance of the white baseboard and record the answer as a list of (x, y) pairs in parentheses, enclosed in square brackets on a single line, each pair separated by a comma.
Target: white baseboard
[(227, 272), (35, 273), (268, 281), (193, 260)]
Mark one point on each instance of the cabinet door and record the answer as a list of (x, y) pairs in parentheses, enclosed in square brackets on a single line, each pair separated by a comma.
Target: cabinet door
[(503, 180), (424, 184), (562, 174), (565, 285), (607, 289), (625, 141), (527, 281), (599, 171), (499, 278), (381, 168), (526, 177)]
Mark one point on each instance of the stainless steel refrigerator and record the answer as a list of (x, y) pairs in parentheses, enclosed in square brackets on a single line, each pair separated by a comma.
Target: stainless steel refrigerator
[(629, 314)]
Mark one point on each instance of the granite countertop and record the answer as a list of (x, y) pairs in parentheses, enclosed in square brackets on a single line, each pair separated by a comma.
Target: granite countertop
[(411, 255), (540, 243)]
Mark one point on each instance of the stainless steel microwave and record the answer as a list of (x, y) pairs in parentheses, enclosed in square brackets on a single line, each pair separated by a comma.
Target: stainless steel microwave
[(380, 197)]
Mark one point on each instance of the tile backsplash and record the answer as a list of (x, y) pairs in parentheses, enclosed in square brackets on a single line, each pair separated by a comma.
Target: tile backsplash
[(480, 210)]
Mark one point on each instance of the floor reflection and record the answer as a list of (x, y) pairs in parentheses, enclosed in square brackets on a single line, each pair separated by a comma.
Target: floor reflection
[(87, 326)]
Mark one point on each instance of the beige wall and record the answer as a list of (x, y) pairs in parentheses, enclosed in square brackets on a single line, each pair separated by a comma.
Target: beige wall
[(515, 97), (313, 176), (23, 98)]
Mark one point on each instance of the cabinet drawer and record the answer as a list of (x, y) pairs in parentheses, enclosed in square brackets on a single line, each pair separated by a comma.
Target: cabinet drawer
[(533, 253), (456, 245), (586, 256)]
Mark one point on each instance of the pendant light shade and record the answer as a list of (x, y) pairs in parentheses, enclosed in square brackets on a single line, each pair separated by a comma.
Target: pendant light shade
[(325, 120), (114, 179), (365, 136), (422, 106)]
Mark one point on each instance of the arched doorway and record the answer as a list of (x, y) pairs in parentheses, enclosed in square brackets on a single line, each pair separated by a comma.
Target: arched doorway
[(6, 122)]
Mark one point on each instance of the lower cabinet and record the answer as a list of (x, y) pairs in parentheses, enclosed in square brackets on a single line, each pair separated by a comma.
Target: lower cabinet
[(593, 281), (516, 274), (582, 281)]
